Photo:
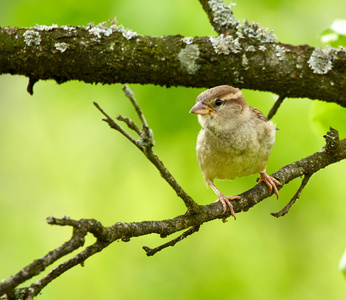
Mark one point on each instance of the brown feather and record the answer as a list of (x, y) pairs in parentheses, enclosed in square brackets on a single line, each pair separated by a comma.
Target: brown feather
[(259, 114)]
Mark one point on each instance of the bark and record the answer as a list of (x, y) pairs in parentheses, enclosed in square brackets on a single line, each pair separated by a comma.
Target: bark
[(101, 54), (195, 216), (246, 56), (333, 152)]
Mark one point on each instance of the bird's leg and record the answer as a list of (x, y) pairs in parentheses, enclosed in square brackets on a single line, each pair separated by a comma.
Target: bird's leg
[(271, 182), (225, 201)]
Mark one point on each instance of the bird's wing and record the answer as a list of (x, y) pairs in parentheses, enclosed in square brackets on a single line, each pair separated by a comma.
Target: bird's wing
[(259, 114)]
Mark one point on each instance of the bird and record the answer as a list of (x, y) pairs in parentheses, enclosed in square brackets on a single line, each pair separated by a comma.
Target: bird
[(235, 140)]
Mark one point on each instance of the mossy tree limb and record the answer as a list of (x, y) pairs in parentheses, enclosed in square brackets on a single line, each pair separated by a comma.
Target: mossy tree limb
[(105, 55)]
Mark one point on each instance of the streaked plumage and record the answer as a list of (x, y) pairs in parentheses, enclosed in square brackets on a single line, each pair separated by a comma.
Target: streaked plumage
[(235, 140)]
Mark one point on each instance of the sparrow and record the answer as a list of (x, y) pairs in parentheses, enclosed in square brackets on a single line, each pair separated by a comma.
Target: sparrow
[(235, 140)]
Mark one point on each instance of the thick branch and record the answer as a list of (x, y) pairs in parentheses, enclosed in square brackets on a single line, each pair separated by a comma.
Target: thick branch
[(103, 54), (245, 56), (220, 16)]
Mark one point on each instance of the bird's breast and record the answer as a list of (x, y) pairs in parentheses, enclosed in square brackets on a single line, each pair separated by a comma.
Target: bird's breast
[(230, 156)]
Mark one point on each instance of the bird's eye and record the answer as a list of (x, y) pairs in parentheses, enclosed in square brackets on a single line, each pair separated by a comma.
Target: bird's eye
[(218, 102)]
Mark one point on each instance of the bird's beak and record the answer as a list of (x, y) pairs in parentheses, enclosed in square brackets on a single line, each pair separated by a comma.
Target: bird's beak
[(200, 109)]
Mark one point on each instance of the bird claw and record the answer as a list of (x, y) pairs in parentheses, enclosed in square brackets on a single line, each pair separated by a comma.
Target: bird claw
[(271, 182), (225, 201)]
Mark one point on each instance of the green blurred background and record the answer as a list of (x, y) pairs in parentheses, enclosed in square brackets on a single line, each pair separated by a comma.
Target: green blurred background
[(58, 158)]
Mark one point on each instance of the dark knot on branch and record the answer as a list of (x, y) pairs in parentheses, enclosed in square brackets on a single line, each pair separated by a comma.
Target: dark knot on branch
[(332, 140)]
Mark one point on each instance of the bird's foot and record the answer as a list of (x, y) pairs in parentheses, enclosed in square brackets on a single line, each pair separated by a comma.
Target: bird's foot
[(225, 201), (271, 182)]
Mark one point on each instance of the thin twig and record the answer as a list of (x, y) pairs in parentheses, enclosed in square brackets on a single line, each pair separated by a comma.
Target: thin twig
[(36, 287), (275, 107), (130, 123), (117, 127), (107, 235), (334, 151), (294, 198), (145, 144), (146, 136), (151, 252), (39, 265), (129, 94)]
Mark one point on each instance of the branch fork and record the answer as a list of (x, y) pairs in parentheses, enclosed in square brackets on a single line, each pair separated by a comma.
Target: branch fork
[(145, 142), (195, 216)]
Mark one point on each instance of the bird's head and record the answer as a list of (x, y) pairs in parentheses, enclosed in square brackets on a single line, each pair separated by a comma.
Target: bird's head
[(219, 106)]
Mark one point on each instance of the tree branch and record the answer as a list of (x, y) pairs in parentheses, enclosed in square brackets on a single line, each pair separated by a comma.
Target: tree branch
[(220, 16), (112, 54), (275, 107), (145, 144), (196, 215), (285, 210), (151, 252)]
